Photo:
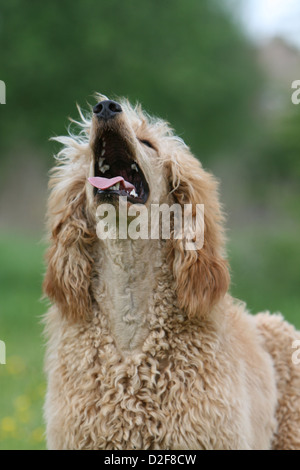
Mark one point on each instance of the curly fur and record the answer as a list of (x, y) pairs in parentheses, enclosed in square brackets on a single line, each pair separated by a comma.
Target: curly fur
[(146, 349)]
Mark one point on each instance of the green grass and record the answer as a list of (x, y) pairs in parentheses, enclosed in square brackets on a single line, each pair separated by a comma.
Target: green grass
[(22, 381), (265, 270), (265, 274)]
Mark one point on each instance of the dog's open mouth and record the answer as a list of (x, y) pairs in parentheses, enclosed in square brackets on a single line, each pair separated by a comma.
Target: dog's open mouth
[(116, 172)]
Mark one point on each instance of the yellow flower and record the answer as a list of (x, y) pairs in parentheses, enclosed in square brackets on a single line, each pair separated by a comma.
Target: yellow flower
[(22, 403), (8, 425)]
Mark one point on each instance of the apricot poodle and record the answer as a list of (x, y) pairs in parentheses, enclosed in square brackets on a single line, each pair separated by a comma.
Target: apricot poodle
[(146, 347)]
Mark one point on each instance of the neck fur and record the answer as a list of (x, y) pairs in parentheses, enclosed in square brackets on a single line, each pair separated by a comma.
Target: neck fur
[(129, 276)]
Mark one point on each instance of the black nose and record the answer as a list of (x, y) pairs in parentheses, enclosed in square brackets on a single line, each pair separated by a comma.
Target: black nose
[(107, 109)]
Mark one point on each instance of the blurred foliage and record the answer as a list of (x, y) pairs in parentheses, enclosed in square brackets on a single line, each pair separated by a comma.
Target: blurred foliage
[(187, 62), (282, 154)]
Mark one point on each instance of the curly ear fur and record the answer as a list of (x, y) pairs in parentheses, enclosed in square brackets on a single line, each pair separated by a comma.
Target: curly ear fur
[(202, 276), (68, 276)]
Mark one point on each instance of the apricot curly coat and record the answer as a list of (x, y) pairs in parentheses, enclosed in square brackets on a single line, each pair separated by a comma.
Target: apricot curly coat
[(146, 349)]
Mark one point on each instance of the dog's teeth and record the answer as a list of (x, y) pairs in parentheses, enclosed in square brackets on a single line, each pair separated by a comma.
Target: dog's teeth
[(115, 187), (100, 162), (133, 193), (103, 143), (104, 168), (134, 167), (103, 152)]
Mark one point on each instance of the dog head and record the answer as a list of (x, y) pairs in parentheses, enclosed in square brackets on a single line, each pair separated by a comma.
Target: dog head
[(125, 152), (121, 151)]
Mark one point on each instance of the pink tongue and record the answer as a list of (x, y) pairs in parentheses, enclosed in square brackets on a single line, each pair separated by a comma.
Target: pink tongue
[(105, 183)]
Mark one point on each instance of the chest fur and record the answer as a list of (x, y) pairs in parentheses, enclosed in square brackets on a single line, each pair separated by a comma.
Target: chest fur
[(140, 399)]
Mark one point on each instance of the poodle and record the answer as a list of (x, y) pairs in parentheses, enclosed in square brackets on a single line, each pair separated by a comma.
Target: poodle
[(146, 347)]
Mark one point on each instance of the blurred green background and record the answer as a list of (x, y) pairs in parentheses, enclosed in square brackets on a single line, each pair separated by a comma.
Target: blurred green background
[(188, 62)]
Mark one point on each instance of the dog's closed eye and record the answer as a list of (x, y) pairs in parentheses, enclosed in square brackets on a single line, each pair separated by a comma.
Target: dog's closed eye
[(146, 142)]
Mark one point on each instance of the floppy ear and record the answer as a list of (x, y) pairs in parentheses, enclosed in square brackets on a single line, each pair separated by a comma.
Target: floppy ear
[(201, 274), (68, 276)]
